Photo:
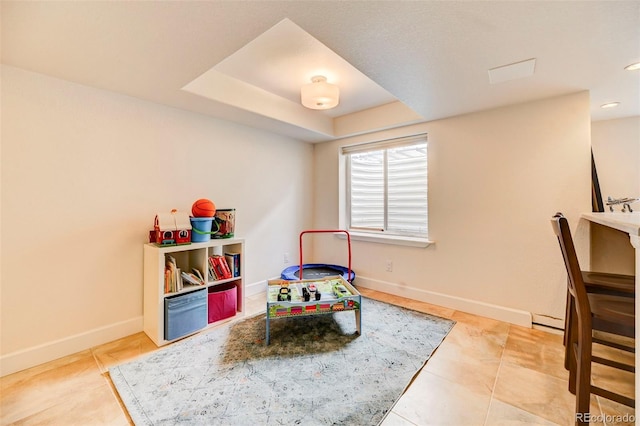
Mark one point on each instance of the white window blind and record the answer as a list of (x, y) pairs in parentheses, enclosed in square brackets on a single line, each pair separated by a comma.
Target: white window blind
[(387, 186)]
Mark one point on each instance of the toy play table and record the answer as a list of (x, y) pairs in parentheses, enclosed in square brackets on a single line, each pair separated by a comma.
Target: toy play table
[(329, 302)]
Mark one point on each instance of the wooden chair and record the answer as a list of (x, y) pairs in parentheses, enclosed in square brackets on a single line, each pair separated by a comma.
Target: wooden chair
[(599, 283), (589, 312), (607, 283)]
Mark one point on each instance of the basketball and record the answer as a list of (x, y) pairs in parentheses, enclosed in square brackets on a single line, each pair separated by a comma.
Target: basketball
[(203, 208)]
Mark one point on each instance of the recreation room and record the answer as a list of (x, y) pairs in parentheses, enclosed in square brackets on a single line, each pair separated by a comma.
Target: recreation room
[(443, 136)]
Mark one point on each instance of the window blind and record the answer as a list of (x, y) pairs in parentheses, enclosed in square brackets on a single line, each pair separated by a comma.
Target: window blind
[(387, 186)]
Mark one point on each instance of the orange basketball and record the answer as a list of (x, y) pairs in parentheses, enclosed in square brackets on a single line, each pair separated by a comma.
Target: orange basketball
[(203, 208)]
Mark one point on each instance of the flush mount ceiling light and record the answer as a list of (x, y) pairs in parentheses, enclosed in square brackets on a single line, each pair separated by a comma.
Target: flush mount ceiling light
[(633, 67), (610, 105), (319, 94)]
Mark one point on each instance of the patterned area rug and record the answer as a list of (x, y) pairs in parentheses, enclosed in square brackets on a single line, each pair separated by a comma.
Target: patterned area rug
[(316, 371)]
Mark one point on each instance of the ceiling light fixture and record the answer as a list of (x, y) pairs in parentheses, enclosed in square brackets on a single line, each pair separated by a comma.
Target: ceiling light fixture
[(633, 67), (610, 105), (319, 94)]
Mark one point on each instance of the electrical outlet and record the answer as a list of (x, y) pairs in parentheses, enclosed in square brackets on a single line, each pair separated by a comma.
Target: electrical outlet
[(389, 266), (285, 258)]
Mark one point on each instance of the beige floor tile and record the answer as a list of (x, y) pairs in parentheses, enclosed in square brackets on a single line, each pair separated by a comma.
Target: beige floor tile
[(427, 308), (613, 379), (484, 323), (463, 367), (255, 303), (536, 350), (501, 414), (540, 394), (31, 391), (393, 419), (432, 400), (614, 414), (122, 350), (476, 341), (82, 410), (386, 297)]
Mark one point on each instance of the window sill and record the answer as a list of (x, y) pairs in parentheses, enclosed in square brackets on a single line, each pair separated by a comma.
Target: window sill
[(387, 239)]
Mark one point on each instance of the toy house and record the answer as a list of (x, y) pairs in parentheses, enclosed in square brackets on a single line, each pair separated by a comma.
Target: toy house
[(172, 228)]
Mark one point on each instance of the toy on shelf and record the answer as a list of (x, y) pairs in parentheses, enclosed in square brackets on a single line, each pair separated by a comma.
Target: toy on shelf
[(203, 220), (203, 208), (170, 229), (225, 221)]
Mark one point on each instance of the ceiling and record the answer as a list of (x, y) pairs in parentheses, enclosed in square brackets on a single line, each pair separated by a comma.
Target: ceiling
[(396, 62)]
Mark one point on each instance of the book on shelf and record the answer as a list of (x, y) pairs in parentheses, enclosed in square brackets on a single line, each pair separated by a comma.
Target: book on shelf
[(191, 278), (179, 283), (225, 271), (233, 260), (175, 279), (219, 270), (198, 274), (171, 273), (212, 272), (225, 267)]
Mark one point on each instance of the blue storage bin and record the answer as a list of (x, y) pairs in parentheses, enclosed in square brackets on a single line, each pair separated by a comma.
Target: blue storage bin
[(185, 314)]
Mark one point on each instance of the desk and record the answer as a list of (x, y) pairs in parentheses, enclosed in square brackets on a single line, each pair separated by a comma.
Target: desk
[(629, 223)]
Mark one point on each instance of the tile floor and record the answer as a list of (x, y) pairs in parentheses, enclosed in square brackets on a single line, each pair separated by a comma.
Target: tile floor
[(486, 372)]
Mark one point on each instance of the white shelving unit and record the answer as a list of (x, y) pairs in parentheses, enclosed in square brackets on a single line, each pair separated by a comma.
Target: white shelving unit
[(194, 255)]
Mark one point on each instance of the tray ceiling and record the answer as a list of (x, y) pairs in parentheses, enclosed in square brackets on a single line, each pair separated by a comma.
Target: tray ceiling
[(429, 60)]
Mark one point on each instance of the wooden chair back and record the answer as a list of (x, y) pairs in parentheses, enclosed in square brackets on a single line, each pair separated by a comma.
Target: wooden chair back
[(575, 282)]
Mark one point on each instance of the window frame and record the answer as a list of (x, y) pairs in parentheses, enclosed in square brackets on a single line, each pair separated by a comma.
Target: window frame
[(372, 235)]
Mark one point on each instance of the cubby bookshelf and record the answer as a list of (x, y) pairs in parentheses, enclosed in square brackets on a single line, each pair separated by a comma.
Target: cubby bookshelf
[(194, 255)]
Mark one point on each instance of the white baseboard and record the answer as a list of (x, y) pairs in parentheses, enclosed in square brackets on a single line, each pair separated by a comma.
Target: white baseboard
[(501, 313), (255, 288), (548, 321), (36, 355)]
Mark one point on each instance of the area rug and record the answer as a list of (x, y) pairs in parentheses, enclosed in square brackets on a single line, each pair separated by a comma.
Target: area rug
[(316, 371)]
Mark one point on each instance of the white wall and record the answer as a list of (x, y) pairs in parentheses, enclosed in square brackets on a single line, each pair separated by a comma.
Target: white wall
[(84, 172), (616, 152), (495, 179)]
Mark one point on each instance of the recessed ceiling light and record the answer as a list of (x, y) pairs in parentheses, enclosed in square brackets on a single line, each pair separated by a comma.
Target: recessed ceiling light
[(633, 67), (610, 105)]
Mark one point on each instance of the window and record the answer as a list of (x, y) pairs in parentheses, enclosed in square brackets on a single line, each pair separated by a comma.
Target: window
[(386, 187)]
